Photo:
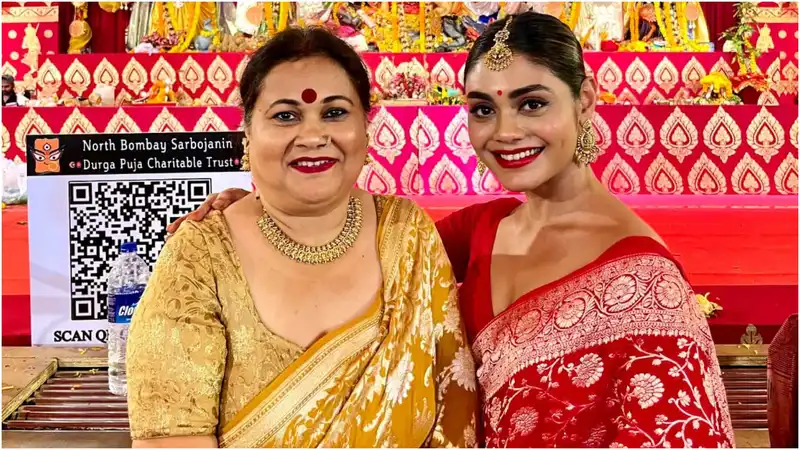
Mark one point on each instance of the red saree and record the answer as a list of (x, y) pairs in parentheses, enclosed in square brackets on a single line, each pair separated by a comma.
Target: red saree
[(615, 354)]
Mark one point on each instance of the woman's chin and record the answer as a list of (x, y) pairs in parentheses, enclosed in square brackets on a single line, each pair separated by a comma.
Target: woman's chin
[(318, 193), (518, 181)]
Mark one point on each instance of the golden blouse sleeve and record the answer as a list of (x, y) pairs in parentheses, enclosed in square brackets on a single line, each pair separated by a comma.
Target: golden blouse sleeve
[(457, 398), (176, 346)]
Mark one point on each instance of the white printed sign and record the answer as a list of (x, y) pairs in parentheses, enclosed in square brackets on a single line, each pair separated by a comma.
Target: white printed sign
[(87, 196)]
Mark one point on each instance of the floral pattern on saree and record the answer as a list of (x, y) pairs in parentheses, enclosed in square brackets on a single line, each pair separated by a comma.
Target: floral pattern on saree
[(619, 355)]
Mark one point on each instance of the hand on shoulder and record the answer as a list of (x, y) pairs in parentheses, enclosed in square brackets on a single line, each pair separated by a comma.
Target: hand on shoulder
[(216, 201)]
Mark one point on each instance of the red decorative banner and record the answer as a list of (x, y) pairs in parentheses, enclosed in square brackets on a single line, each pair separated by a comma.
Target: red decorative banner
[(29, 32), (695, 150), (635, 78), (25, 46), (782, 71)]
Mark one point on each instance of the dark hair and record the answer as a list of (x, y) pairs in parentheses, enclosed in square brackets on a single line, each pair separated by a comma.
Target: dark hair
[(294, 44), (8, 78), (543, 40)]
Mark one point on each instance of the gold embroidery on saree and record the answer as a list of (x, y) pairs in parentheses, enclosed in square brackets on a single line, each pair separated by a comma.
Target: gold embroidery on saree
[(201, 354), (356, 388)]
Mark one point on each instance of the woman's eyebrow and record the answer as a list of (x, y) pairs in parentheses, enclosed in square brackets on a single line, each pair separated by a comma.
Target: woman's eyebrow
[(292, 102), (333, 98), (479, 96), (528, 89), (284, 101)]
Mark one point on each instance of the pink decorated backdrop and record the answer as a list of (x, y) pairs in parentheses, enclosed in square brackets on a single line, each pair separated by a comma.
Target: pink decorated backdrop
[(697, 150), (635, 78), (702, 150), (212, 77)]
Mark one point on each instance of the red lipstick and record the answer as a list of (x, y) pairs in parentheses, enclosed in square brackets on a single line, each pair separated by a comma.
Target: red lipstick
[(514, 159), (312, 165)]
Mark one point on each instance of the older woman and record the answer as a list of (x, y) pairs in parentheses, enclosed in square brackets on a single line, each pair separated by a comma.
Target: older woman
[(309, 313), (584, 328)]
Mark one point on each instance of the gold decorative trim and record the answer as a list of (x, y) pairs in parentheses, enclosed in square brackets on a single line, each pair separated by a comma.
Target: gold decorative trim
[(86, 362), (776, 15), (737, 355), (29, 389), (30, 14)]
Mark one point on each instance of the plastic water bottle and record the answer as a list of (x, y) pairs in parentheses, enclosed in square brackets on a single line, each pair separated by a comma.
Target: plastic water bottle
[(126, 282)]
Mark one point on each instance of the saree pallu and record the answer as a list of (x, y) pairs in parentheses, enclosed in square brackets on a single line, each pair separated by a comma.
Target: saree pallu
[(400, 376), (615, 355)]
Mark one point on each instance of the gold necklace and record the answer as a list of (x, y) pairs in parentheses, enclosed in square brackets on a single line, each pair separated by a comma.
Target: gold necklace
[(321, 254)]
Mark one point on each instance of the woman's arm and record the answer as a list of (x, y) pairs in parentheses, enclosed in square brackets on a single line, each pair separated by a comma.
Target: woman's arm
[(213, 202), (177, 349)]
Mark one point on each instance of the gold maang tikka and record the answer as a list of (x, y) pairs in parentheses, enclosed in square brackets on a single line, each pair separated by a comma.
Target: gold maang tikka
[(499, 57)]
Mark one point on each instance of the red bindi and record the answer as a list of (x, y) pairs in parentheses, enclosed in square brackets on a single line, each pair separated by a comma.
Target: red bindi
[(309, 95), (499, 93)]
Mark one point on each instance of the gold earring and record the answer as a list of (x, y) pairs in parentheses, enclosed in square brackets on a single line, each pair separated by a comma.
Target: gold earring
[(246, 155), (481, 168), (586, 150), (367, 160)]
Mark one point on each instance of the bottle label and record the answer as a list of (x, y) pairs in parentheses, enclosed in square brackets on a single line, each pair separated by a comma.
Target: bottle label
[(121, 305)]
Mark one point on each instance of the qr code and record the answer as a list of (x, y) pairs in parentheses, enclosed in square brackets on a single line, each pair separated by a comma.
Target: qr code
[(105, 214)]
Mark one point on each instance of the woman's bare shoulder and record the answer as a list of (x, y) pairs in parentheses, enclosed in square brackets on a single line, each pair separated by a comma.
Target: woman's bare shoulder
[(627, 223), (634, 226)]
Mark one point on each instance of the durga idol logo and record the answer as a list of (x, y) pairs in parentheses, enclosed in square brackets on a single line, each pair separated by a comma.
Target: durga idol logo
[(47, 155)]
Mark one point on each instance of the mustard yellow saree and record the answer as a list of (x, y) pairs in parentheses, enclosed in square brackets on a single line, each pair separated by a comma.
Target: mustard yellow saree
[(200, 362)]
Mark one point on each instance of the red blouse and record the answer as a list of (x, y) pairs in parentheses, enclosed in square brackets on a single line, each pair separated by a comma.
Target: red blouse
[(615, 354), (474, 228)]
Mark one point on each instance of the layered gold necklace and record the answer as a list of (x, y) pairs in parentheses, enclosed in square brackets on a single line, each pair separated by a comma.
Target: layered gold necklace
[(321, 254)]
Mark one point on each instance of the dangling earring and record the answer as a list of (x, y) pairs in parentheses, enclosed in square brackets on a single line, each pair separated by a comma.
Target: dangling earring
[(246, 155), (481, 168), (586, 149), (368, 159)]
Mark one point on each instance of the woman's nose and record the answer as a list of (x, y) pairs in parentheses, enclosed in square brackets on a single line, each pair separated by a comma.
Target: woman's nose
[(312, 135), (508, 130), (312, 141)]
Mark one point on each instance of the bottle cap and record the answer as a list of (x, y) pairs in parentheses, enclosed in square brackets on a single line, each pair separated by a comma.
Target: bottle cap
[(128, 247)]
